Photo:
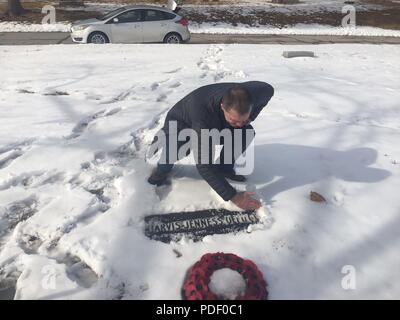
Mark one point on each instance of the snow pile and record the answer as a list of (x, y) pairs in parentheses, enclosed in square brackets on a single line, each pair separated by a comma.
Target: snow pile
[(13, 26), (227, 284), (298, 29), (73, 190)]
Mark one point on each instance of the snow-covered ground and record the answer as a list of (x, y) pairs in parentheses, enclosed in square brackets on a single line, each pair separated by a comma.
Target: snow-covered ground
[(298, 29), (74, 125), (14, 26)]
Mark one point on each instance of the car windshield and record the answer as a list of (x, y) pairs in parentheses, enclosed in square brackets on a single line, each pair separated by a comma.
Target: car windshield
[(111, 14)]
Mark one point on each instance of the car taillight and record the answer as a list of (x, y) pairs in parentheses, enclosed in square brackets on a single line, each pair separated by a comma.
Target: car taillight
[(183, 22)]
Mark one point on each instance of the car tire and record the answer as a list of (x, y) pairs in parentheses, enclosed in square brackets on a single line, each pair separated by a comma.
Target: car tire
[(173, 37), (98, 38)]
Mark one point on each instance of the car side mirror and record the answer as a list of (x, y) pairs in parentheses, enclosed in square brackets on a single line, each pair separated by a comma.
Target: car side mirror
[(115, 20)]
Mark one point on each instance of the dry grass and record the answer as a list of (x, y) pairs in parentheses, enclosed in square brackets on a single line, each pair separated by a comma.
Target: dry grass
[(388, 19), (34, 13)]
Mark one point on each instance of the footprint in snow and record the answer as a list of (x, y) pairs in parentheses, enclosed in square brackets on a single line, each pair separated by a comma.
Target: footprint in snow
[(82, 125), (13, 151)]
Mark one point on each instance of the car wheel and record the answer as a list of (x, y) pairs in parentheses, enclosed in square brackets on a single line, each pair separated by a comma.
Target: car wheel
[(98, 38), (173, 38)]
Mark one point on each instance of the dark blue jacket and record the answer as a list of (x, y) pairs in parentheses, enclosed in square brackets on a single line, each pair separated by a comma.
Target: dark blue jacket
[(201, 109)]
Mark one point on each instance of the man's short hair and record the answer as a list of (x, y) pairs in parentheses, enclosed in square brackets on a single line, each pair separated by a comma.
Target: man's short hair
[(237, 98)]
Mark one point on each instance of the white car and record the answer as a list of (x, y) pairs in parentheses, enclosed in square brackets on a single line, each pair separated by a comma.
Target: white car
[(133, 24)]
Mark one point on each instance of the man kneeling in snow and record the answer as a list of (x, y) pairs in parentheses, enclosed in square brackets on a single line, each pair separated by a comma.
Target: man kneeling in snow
[(217, 108)]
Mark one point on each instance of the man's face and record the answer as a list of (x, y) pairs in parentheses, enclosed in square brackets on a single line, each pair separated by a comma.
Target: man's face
[(235, 119)]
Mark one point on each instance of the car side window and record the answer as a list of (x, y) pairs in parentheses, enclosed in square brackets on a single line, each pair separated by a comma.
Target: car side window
[(129, 16), (168, 16), (153, 15)]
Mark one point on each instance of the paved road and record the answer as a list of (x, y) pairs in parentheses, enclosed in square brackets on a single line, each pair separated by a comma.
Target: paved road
[(29, 38)]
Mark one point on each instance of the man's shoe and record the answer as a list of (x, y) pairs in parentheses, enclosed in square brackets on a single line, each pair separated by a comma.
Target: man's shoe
[(157, 178), (231, 175)]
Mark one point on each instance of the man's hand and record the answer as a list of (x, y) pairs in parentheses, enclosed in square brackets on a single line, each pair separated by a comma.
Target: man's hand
[(244, 201)]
